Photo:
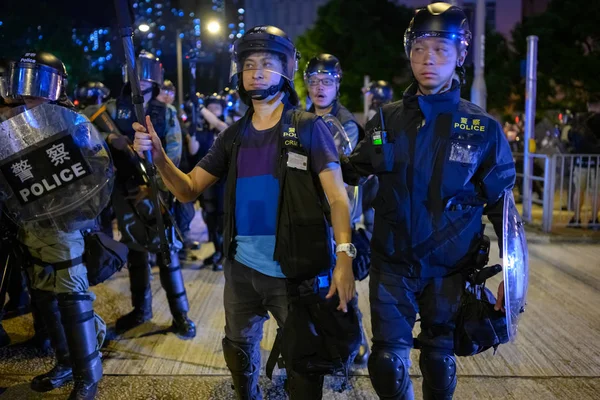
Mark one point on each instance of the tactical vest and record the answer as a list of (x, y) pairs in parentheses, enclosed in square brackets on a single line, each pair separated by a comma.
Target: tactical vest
[(303, 239), (344, 116)]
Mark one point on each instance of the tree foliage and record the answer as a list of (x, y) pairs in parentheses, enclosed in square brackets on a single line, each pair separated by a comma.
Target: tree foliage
[(568, 51)]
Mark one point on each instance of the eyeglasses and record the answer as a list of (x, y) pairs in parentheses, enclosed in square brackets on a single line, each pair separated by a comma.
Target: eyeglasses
[(324, 81)]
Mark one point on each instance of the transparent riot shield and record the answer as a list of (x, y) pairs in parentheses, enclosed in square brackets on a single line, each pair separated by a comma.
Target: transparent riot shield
[(516, 265), (55, 171)]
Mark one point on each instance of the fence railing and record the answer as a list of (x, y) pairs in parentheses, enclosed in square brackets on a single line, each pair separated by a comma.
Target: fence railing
[(566, 186)]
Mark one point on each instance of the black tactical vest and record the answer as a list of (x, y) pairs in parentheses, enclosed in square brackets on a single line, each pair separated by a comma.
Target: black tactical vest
[(303, 245)]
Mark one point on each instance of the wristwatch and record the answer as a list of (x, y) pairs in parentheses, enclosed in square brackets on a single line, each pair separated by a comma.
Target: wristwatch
[(347, 248)]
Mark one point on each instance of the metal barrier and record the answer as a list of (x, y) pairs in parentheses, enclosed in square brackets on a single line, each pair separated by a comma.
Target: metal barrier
[(567, 188)]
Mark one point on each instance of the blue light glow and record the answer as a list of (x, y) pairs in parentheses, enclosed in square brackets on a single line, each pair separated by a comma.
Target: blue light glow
[(181, 14), (162, 28), (158, 52), (181, 35), (241, 11)]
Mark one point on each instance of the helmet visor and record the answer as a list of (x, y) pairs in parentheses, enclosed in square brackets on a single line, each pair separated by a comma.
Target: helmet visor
[(35, 80), (461, 39), (150, 70), (264, 62)]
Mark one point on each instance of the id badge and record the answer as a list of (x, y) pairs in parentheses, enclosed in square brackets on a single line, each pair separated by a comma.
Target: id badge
[(297, 161), (464, 153)]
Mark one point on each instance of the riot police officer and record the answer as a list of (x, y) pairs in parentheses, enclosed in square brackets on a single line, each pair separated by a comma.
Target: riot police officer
[(130, 201), (378, 94), (441, 162), (91, 93), (58, 275), (323, 76)]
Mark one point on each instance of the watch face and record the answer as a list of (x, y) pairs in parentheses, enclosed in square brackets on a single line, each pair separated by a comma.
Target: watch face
[(352, 251)]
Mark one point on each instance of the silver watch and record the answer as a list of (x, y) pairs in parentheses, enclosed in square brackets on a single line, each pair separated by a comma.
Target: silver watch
[(347, 248)]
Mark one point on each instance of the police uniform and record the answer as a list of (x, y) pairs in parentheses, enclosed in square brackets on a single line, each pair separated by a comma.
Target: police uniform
[(444, 159), (56, 244), (137, 225), (137, 222)]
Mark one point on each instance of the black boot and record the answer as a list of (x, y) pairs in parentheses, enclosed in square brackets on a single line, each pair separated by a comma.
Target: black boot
[(62, 373), (243, 360), (80, 328), (171, 280), (216, 260), (304, 387), (141, 295), (363, 352)]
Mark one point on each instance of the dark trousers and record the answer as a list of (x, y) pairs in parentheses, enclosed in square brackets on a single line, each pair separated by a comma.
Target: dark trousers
[(395, 301), (249, 297)]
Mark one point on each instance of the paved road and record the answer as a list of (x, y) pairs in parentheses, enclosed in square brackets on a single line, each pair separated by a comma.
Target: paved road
[(556, 356)]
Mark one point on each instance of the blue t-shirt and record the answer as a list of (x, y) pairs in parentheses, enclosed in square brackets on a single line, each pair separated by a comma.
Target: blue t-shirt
[(257, 188)]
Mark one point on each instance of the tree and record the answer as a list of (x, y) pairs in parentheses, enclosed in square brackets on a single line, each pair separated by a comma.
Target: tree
[(367, 38), (501, 74), (568, 52)]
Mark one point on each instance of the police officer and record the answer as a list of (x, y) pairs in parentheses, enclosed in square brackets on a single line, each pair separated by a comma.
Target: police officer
[(322, 77), (58, 276), (441, 162), (91, 93), (251, 154), (378, 94), (130, 201)]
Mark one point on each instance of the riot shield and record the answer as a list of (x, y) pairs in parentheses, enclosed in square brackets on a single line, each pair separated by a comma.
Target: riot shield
[(344, 147), (342, 141), (515, 259), (55, 172)]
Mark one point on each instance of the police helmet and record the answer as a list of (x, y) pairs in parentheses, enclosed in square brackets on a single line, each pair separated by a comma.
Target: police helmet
[(38, 74), (382, 92), (89, 93), (168, 86), (149, 68), (266, 38), (324, 64), (215, 99), (438, 20)]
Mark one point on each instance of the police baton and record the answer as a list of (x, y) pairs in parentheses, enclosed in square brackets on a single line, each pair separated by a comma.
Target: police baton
[(124, 19), (193, 58)]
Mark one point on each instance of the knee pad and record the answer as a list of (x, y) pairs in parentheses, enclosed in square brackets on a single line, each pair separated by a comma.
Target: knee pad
[(388, 370), (439, 374), (240, 357)]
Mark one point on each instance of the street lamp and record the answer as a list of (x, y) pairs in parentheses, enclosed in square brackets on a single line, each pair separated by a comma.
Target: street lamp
[(213, 27), (144, 28)]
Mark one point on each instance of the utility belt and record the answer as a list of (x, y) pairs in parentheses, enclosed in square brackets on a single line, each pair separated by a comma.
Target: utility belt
[(103, 257)]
